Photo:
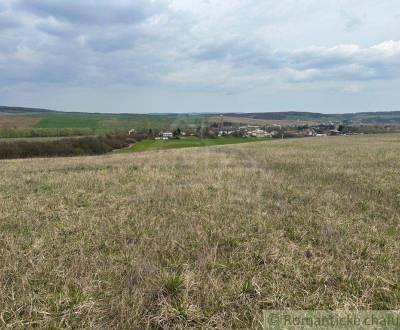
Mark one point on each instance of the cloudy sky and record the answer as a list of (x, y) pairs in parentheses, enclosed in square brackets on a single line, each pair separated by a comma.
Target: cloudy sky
[(200, 55)]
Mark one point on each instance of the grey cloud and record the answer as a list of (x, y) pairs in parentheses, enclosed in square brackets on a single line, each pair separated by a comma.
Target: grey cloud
[(66, 43), (58, 29), (240, 52), (19, 72), (318, 57), (28, 66), (343, 62), (112, 41), (352, 21), (143, 43), (8, 44), (92, 12), (8, 21), (350, 62)]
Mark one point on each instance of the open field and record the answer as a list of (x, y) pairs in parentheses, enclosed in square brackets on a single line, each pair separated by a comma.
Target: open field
[(26, 122), (200, 237), (108, 122), (97, 123), (183, 142), (17, 121)]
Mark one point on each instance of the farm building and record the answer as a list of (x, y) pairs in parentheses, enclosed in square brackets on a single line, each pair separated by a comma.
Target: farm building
[(167, 135), (259, 133)]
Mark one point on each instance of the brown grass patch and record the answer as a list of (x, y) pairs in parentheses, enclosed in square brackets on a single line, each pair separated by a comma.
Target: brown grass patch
[(17, 121)]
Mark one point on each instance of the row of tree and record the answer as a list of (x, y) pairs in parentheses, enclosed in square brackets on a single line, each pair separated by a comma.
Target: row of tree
[(94, 145), (44, 132)]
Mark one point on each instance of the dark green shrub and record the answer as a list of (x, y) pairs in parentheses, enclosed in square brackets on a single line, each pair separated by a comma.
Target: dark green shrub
[(93, 145)]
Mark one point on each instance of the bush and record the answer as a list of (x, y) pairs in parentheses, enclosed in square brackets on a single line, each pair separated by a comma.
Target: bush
[(43, 132), (65, 147)]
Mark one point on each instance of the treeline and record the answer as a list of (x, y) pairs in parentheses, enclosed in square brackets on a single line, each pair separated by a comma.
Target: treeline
[(43, 132), (94, 145), (368, 129)]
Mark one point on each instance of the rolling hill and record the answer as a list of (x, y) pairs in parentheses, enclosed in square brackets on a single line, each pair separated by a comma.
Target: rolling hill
[(381, 117), (19, 117)]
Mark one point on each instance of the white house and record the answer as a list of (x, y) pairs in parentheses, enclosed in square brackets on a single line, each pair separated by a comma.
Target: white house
[(167, 135), (260, 133)]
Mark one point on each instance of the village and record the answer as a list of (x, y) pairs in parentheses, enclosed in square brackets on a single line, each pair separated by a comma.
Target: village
[(257, 131)]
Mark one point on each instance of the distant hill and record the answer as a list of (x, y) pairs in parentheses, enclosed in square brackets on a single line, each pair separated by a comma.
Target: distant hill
[(379, 117), (288, 115), (5, 109)]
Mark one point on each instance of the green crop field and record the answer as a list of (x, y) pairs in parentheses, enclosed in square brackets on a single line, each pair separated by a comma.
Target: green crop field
[(201, 238), (50, 124), (183, 142), (108, 122), (60, 120)]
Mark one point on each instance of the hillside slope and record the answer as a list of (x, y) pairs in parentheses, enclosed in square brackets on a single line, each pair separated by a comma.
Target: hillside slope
[(200, 238), (381, 117), (17, 110), (59, 119)]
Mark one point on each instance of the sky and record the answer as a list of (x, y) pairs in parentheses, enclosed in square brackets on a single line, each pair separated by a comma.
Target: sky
[(146, 56)]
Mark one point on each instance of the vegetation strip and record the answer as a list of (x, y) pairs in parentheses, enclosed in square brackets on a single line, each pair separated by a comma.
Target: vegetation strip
[(94, 145), (190, 142)]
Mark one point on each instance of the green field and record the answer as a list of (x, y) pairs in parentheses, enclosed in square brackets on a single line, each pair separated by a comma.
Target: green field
[(61, 120), (108, 122), (188, 142), (37, 124)]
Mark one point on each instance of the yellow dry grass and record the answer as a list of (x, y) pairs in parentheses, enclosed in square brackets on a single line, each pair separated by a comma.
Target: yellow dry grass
[(200, 238), (17, 121)]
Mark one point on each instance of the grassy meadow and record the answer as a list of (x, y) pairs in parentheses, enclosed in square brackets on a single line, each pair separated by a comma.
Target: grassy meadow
[(200, 237), (184, 142)]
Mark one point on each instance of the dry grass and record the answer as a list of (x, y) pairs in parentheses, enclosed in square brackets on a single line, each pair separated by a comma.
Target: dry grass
[(200, 238), (17, 121)]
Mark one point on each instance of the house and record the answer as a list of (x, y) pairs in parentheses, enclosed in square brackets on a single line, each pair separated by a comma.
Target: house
[(334, 132), (309, 131), (224, 133), (132, 131), (260, 133), (167, 135)]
